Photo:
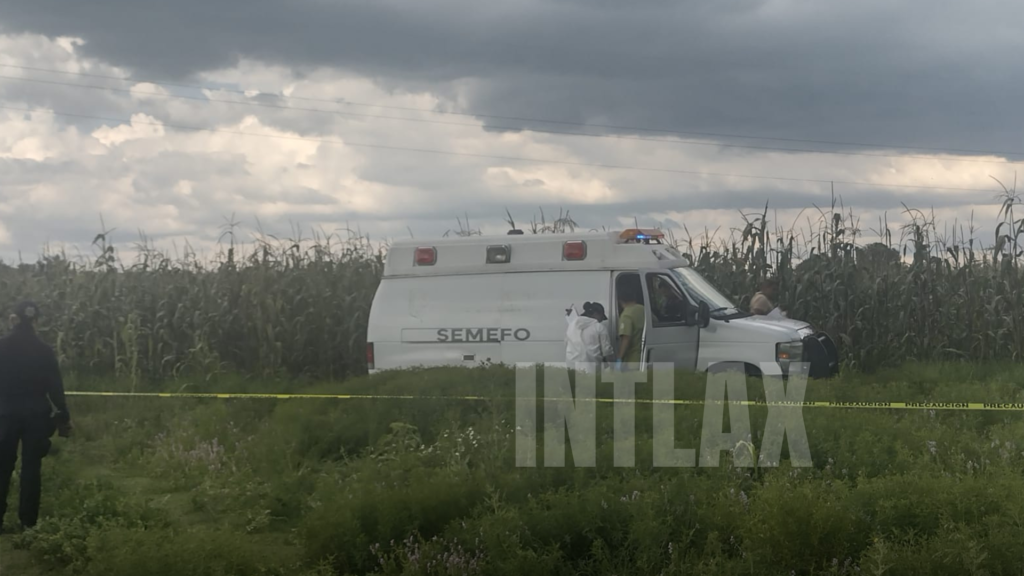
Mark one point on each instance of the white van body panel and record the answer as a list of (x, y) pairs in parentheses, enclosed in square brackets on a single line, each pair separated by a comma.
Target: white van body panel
[(537, 301), (407, 312), (468, 319)]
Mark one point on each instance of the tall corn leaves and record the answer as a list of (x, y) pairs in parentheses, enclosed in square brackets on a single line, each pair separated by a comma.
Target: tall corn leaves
[(925, 295), (285, 307)]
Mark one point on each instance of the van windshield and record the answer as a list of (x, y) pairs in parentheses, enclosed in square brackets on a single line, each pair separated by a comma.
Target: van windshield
[(700, 290)]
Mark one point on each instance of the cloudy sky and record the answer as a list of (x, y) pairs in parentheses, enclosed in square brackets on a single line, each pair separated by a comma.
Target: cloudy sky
[(393, 116)]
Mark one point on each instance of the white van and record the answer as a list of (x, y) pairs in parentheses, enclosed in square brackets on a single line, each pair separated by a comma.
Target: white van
[(504, 299)]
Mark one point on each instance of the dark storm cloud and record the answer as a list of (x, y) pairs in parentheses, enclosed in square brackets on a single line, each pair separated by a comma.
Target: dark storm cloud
[(915, 73)]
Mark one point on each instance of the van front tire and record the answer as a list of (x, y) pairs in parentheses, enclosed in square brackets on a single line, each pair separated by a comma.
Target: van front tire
[(749, 370)]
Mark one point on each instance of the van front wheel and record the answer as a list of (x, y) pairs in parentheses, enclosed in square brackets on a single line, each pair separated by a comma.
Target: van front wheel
[(749, 370)]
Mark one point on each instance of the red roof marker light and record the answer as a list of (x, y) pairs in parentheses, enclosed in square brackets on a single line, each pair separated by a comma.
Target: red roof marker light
[(574, 250), (425, 256)]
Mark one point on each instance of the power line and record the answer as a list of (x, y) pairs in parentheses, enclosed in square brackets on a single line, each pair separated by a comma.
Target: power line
[(502, 158), (550, 121)]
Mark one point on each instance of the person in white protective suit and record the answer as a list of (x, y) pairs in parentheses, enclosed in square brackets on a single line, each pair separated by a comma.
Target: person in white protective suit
[(587, 342)]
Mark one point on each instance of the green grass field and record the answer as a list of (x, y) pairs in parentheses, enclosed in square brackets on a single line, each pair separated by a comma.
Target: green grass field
[(322, 487)]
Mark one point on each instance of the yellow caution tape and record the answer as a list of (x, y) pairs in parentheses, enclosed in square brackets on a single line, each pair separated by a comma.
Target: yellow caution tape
[(998, 406)]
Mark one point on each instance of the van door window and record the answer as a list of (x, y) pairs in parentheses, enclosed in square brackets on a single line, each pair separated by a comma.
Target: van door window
[(628, 283), (668, 305)]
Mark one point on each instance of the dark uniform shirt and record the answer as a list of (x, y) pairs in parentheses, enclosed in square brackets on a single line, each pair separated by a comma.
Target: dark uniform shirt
[(30, 377)]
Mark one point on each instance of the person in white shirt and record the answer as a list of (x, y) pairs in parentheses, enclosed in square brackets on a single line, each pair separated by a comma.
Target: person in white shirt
[(587, 341)]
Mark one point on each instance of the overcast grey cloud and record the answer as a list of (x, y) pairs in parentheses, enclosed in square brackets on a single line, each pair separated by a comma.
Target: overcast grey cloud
[(913, 74)]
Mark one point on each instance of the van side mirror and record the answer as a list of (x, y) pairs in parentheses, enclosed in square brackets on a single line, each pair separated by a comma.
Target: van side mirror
[(703, 315)]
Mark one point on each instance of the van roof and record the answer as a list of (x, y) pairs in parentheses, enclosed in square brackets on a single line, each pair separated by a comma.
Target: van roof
[(616, 250)]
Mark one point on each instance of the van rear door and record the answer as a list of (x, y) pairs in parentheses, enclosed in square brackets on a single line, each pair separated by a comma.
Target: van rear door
[(672, 333)]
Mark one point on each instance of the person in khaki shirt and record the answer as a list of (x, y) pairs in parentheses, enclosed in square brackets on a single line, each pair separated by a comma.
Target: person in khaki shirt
[(631, 327), (762, 302)]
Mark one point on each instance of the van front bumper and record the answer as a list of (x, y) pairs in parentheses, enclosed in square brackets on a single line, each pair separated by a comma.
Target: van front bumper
[(822, 354)]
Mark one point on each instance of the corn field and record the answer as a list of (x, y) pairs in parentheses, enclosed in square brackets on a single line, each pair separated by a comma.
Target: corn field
[(269, 307)]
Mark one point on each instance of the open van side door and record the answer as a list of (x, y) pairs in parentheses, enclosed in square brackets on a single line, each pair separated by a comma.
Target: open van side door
[(672, 332)]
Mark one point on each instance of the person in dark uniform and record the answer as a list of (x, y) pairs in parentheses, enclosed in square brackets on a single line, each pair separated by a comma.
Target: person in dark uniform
[(30, 389)]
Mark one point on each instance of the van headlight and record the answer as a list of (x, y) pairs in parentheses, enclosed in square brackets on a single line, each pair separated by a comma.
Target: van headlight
[(786, 352)]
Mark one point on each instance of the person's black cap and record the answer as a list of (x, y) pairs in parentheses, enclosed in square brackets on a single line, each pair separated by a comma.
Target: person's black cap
[(590, 308), (26, 311)]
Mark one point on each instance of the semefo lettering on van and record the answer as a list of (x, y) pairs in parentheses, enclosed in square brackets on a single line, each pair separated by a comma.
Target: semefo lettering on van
[(482, 334)]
